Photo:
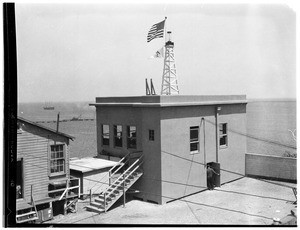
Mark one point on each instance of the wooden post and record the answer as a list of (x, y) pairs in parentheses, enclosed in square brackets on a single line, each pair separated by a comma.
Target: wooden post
[(90, 196), (124, 197), (76, 207), (65, 207), (67, 186), (31, 194), (104, 202)]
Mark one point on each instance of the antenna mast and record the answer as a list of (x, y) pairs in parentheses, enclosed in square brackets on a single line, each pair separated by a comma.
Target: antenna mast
[(169, 84)]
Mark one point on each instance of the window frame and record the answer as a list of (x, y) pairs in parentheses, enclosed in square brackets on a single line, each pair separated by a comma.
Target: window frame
[(151, 135), (223, 135), (130, 138), (63, 158), (194, 140), (116, 135), (105, 135)]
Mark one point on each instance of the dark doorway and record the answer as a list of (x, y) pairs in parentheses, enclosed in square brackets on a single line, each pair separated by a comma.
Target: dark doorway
[(216, 178), (19, 185)]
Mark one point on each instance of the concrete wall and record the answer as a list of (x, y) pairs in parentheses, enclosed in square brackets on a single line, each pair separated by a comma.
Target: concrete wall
[(172, 135), (232, 158), (144, 119), (175, 139), (273, 167), (118, 116)]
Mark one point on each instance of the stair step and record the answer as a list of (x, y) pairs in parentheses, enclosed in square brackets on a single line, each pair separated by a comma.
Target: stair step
[(97, 205), (25, 217), (94, 209), (26, 220), (25, 214), (100, 201)]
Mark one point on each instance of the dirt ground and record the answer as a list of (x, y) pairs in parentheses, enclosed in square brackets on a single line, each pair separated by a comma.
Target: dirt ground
[(245, 201)]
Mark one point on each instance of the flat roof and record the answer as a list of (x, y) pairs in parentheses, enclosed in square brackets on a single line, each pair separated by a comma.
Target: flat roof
[(170, 100), (89, 164)]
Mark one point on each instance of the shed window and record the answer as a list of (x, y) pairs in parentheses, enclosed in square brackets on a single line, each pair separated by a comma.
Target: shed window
[(57, 160), (105, 135), (194, 139), (151, 135), (223, 135), (118, 135), (131, 137)]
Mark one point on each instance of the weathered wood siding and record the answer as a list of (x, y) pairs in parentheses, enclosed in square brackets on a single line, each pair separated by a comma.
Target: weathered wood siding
[(33, 146)]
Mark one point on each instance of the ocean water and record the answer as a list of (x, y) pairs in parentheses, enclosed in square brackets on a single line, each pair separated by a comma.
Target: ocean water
[(268, 125)]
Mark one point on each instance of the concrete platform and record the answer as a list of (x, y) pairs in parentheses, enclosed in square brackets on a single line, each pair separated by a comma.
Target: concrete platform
[(245, 201)]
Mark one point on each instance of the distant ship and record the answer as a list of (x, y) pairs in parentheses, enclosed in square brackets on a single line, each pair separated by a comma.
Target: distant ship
[(48, 106)]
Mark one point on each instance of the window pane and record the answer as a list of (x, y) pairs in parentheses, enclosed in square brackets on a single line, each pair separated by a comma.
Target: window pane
[(118, 135), (194, 146), (151, 135), (223, 140), (194, 134), (57, 162), (105, 140)]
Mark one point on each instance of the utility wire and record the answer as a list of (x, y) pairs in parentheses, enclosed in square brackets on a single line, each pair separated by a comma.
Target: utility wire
[(196, 162), (256, 138)]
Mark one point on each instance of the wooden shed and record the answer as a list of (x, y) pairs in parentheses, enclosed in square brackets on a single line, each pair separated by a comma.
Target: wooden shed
[(93, 173), (43, 174)]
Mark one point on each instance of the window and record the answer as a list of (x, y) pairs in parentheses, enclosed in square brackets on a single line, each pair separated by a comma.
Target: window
[(105, 135), (151, 135), (57, 161), (223, 135), (131, 137), (194, 139), (118, 135)]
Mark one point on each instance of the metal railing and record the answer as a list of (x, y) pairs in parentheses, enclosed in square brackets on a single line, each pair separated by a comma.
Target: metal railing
[(121, 164), (121, 179)]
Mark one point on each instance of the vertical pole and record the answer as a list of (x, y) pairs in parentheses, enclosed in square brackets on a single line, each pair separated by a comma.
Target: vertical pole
[(204, 142), (57, 123), (31, 194), (124, 197), (65, 207), (104, 202), (217, 132), (51, 208), (90, 196), (67, 188)]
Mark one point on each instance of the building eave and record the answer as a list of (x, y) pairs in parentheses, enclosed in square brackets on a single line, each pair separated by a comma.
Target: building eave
[(46, 128)]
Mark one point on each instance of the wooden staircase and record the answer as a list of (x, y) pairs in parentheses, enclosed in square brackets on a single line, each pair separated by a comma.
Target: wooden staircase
[(131, 173)]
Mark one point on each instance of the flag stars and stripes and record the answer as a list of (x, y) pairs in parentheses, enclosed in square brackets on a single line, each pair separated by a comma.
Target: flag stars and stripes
[(156, 31)]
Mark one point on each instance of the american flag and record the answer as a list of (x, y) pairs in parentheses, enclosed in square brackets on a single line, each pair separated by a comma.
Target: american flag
[(156, 31)]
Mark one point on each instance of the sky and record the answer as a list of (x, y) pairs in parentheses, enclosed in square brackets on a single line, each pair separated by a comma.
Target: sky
[(77, 52)]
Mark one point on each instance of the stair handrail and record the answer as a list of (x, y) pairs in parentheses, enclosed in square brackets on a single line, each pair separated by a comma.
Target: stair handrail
[(109, 171), (116, 182), (128, 175)]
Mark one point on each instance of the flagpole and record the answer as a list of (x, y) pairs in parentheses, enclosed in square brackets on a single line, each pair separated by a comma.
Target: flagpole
[(165, 29)]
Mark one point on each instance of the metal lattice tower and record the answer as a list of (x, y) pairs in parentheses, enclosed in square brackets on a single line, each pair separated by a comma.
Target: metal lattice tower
[(169, 84)]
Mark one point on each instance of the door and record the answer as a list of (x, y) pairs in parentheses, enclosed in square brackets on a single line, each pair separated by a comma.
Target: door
[(216, 178)]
